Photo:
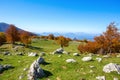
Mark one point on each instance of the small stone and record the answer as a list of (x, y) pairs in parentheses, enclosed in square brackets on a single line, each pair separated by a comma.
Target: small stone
[(58, 78), (76, 54), (65, 52), (91, 71), (8, 66), (25, 69), (106, 56), (90, 54), (70, 61), (58, 51), (86, 59), (118, 56), (99, 59), (32, 54), (115, 78), (21, 77), (59, 55), (6, 53), (92, 66), (100, 77)]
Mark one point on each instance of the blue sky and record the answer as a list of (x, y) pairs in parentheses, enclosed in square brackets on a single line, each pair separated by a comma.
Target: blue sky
[(90, 16)]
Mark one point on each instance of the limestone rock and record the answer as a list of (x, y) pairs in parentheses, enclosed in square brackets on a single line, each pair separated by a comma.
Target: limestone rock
[(40, 60), (35, 71), (115, 78), (75, 54), (5, 67), (118, 56), (70, 61), (92, 66), (90, 54), (87, 59), (100, 77), (32, 54), (59, 55), (6, 53), (106, 56), (99, 59), (21, 77), (111, 67), (1, 68), (58, 51), (65, 52)]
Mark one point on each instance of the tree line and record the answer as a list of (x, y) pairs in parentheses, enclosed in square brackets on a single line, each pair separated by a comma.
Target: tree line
[(12, 35)]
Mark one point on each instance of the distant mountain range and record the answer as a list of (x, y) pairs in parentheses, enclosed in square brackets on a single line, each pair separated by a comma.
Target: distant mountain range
[(72, 35)]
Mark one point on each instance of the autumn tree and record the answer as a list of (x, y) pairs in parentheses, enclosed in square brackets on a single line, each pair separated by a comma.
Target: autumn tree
[(2, 38), (90, 46), (12, 34), (64, 42), (25, 38), (108, 42), (51, 37)]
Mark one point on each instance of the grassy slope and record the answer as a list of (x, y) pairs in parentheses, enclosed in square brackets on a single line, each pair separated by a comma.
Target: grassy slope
[(57, 65)]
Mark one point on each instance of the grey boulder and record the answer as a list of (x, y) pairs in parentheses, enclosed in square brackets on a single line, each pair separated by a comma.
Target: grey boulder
[(111, 67)]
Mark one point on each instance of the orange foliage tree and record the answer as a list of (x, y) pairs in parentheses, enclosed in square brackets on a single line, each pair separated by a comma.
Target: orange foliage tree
[(64, 42), (2, 38), (51, 37), (108, 42), (12, 34), (25, 38)]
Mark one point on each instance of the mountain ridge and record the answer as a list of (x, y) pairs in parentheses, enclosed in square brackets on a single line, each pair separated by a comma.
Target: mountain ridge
[(72, 35), (5, 26)]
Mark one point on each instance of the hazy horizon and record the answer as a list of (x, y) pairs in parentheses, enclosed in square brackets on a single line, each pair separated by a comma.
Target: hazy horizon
[(88, 16)]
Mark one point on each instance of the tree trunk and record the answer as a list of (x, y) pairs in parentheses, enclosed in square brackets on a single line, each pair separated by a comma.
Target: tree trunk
[(61, 46)]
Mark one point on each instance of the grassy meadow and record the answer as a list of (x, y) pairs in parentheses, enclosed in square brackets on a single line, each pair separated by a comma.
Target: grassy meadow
[(57, 67)]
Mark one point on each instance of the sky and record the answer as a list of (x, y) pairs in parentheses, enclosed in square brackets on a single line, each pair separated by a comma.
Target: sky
[(89, 16)]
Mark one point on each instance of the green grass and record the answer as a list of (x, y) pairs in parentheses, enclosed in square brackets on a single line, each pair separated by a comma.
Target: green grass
[(57, 67)]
